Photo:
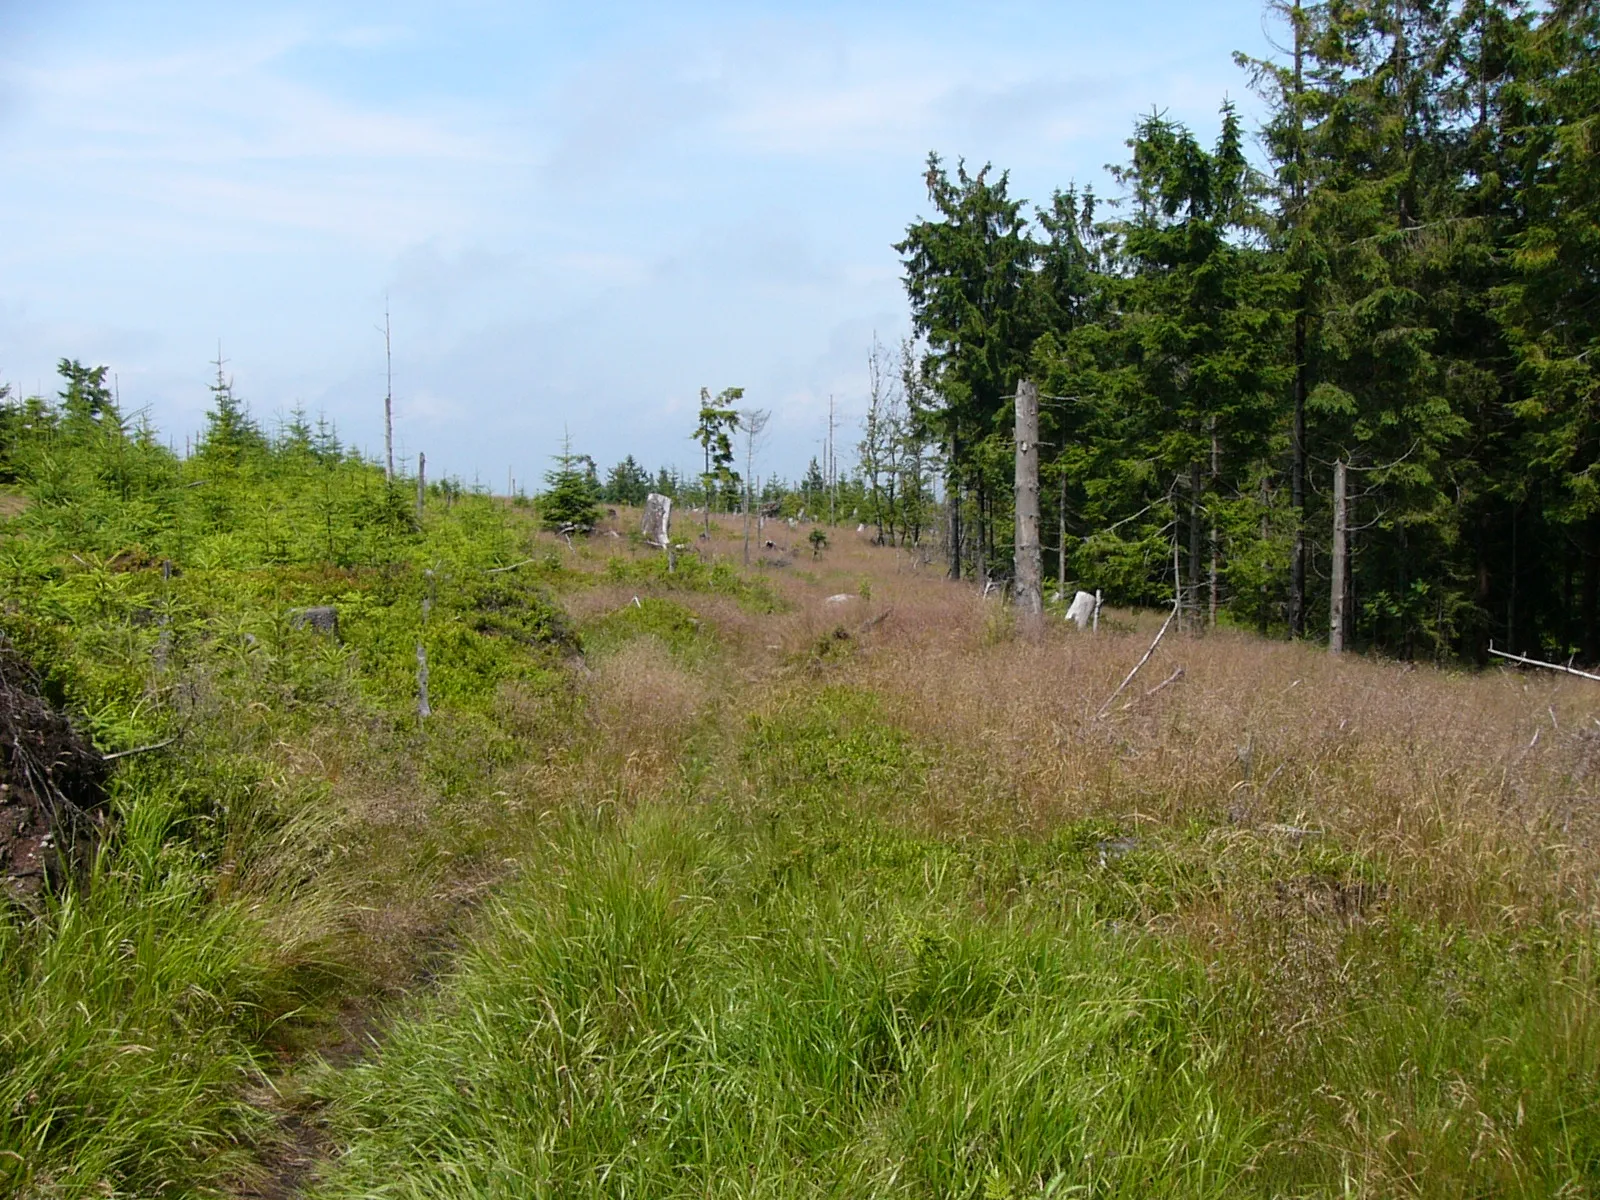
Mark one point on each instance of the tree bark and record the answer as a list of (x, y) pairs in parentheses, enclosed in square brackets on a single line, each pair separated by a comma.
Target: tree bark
[(1341, 549), (952, 501), (424, 708), (1263, 614), (1026, 561), (1297, 436), (422, 482), (1195, 527), (388, 400), (981, 550), (1297, 486), (1061, 532)]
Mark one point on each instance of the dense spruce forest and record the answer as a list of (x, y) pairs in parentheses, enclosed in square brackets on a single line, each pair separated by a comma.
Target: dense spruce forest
[(1409, 286)]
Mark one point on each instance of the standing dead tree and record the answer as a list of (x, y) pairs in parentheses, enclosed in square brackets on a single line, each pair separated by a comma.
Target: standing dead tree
[(1027, 563), (424, 709), (388, 397), (1340, 600), (883, 443), (1341, 561), (752, 421)]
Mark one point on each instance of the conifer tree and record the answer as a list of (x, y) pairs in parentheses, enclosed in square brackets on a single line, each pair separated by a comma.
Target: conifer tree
[(627, 483), (719, 420), (967, 273), (231, 434), (570, 503), (88, 411)]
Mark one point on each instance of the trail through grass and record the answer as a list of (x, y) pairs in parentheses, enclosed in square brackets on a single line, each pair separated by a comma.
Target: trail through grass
[(698, 883), (779, 988)]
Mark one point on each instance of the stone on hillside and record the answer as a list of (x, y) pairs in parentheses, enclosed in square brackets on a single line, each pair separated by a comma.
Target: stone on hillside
[(324, 618)]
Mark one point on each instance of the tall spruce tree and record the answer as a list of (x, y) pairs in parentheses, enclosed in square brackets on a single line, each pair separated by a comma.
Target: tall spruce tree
[(967, 275), (719, 420)]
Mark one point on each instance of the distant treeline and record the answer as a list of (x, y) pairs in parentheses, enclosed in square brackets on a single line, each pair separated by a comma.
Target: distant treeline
[(1411, 288), (80, 447)]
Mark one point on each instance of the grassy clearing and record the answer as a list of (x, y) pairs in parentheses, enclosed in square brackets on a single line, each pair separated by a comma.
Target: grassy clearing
[(697, 884), (665, 1013), (796, 988)]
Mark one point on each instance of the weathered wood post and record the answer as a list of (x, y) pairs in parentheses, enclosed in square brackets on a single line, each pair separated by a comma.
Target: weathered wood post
[(1341, 564), (424, 709), (1026, 558), (388, 398)]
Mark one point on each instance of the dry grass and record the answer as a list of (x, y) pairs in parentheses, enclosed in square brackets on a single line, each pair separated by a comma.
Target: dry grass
[(641, 699), (1295, 821), (1477, 792)]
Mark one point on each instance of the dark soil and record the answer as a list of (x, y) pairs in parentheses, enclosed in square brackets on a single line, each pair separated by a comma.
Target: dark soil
[(52, 781)]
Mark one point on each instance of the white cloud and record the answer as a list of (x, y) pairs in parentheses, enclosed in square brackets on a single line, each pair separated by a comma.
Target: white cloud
[(580, 216), (219, 134)]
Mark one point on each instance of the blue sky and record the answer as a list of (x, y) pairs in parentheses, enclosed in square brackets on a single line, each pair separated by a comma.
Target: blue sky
[(580, 214)]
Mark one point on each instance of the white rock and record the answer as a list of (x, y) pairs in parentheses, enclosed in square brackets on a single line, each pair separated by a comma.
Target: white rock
[(841, 598), (1082, 610)]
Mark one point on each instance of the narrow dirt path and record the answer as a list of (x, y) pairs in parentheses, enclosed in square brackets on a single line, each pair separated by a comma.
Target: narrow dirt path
[(300, 1148)]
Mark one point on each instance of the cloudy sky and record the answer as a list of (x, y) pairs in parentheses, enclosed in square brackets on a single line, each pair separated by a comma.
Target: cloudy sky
[(579, 214)]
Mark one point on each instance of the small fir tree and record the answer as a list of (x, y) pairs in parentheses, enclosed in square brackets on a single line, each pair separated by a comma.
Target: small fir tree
[(719, 420), (571, 504)]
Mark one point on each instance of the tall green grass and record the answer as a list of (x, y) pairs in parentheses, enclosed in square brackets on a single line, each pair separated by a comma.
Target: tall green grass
[(227, 908), (651, 1018), (787, 991), (134, 1009)]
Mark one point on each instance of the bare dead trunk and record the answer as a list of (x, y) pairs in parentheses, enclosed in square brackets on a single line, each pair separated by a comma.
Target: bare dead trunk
[(1195, 527), (1262, 613), (1216, 470), (1061, 532), (424, 709), (981, 549), (388, 400), (1302, 369), (1026, 562), (1341, 566), (422, 482), (952, 501)]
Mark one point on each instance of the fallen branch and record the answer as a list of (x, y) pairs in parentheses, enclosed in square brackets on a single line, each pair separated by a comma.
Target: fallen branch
[(868, 626), (1534, 662), (1162, 686), (116, 754), (1138, 665), (527, 562)]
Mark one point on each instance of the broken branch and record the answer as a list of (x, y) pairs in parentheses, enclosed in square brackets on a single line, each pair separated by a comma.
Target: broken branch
[(1138, 665), (1534, 662), (116, 754), (1162, 686)]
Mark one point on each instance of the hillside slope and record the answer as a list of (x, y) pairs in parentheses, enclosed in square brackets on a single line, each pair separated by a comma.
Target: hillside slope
[(699, 883)]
